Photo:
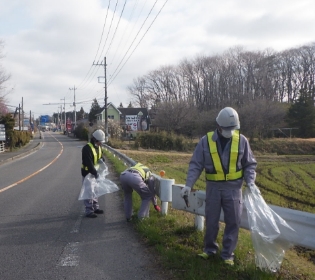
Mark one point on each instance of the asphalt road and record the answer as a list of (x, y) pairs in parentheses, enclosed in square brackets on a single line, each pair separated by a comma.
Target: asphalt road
[(43, 231)]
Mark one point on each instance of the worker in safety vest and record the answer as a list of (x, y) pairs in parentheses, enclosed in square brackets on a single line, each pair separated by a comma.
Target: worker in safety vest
[(91, 154), (138, 178), (227, 159)]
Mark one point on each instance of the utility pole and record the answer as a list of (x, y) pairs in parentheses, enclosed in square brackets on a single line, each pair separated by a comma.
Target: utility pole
[(19, 117), (74, 105), (64, 108), (105, 99), (31, 120), (22, 115)]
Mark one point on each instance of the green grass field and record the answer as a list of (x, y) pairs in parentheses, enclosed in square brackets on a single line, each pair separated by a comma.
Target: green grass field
[(286, 181)]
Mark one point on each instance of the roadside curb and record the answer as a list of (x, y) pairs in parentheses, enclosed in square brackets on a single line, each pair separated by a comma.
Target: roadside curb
[(37, 147)]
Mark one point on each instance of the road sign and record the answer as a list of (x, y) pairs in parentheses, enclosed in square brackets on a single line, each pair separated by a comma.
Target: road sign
[(2, 132)]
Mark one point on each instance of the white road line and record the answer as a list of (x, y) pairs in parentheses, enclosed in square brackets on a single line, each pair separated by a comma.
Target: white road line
[(69, 256), (38, 171)]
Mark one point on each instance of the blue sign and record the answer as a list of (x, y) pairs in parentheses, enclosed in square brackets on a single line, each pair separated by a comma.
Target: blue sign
[(44, 119)]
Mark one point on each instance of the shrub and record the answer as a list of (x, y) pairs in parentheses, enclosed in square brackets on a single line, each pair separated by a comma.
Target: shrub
[(163, 141)]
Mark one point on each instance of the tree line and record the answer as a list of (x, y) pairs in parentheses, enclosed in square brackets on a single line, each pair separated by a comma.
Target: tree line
[(261, 85)]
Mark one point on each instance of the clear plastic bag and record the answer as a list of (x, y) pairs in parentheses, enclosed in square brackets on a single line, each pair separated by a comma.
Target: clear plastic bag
[(93, 188), (268, 231)]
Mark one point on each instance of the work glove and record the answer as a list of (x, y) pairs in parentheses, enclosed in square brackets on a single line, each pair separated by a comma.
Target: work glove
[(157, 208), (185, 191)]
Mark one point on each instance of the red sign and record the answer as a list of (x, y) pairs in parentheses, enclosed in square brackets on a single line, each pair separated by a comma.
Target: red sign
[(69, 125)]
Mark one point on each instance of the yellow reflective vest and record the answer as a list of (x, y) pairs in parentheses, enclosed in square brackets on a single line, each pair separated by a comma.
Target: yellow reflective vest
[(220, 175), (143, 170), (96, 156)]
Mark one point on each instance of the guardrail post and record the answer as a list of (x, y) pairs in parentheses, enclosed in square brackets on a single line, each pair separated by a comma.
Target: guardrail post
[(199, 222), (165, 193)]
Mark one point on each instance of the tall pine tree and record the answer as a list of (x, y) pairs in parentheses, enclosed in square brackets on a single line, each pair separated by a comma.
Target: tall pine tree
[(95, 109), (301, 115)]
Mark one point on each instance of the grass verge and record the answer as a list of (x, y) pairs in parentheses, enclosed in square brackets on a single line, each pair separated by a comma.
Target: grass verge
[(174, 238)]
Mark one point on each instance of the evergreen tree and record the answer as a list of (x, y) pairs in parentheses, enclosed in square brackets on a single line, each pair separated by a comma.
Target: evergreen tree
[(121, 105), (95, 108), (301, 115), (80, 114), (130, 105), (8, 121)]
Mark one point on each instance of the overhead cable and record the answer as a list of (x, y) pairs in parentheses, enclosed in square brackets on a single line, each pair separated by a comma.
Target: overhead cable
[(112, 79)]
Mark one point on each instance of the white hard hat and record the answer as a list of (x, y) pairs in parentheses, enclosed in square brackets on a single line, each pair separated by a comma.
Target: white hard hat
[(99, 135), (228, 119)]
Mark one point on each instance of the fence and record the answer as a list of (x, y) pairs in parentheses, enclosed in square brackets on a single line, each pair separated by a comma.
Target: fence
[(302, 222)]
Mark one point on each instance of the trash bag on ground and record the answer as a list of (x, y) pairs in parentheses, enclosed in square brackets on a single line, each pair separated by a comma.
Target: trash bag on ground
[(93, 188), (268, 231)]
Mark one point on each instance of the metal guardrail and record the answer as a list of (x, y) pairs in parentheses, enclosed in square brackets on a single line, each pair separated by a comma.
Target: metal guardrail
[(123, 157), (302, 222)]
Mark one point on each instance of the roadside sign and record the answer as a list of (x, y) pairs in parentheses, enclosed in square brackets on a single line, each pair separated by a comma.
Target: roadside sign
[(2, 132)]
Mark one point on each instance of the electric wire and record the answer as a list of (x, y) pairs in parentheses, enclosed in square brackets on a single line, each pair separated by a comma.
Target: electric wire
[(92, 75), (116, 28), (115, 73), (99, 44), (123, 35), (111, 80), (134, 39)]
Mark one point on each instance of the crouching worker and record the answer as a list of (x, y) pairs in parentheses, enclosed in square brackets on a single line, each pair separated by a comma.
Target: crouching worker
[(138, 178), (91, 154)]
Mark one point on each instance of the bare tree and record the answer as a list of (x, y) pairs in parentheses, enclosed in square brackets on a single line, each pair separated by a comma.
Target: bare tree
[(138, 90), (176, 116), (251, 81), (3, 78), (260, 116)]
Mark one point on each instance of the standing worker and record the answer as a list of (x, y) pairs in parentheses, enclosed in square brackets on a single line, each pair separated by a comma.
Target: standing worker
[(226, 156), (138, 178), (91, 154)]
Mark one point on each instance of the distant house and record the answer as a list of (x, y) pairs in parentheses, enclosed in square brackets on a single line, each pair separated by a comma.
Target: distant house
[(135, 119), (131, 119), (112, 113)]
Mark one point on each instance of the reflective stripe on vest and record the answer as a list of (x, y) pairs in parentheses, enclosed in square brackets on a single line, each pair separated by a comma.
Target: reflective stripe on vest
[(143, 170), (96, 156), (220, 175)]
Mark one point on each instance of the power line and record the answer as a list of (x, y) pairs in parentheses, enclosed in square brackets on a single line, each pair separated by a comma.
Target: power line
[(137, 44), (123, 35), (92, 73), (134, 38), (116, 28), (99, 42)]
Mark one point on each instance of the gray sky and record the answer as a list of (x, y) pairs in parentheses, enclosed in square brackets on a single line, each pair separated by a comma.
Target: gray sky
[(50, 46)]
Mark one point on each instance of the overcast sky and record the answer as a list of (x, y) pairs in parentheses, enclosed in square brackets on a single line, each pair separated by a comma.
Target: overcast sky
[(50, 46)]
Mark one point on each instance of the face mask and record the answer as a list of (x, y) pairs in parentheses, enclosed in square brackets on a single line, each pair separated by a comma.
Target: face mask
[(97, 143), (227, 133)]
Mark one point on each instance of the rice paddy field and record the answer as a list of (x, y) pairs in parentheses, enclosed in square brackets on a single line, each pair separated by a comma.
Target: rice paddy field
[(285, 180)]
